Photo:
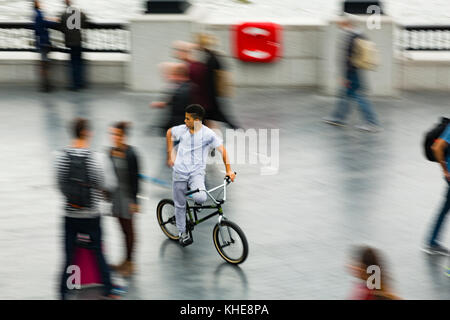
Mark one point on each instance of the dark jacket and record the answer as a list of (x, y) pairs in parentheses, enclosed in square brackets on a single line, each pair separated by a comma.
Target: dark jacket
[(72, 35), (41, 29), (133, 168), (181, 98), (212, 64)]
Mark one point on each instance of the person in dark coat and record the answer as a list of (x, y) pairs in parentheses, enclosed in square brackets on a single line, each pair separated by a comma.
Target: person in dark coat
[(214, 66), (124, 199), (183, 94), (43, 44), (73, 20)]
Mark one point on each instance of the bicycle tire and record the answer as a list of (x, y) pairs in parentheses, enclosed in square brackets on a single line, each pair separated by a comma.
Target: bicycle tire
[(163, 222), (219, 248)]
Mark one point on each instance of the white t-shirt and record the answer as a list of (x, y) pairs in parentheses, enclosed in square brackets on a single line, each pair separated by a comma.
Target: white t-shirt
[(193, 149)]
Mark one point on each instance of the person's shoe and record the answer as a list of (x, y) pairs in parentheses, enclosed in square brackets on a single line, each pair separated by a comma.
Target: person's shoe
[(436, 250), (369, 128), (185, 239), (110, 296), (118, 267), (448, 272), (46, 89), (73, 89), (118, 290), (128, 269), (334, 122)]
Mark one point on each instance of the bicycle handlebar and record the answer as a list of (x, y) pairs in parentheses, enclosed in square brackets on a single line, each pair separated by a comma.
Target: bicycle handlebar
[(192, 192), (228, 179)]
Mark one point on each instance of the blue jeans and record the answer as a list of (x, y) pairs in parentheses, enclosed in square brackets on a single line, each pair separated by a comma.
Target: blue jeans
[(73, 226), (441, 218), (354, 91)]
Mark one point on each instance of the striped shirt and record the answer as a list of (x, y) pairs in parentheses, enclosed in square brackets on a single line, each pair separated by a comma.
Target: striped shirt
[(101, 177)]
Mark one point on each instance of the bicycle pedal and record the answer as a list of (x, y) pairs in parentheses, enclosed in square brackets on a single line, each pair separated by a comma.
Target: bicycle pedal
[(187, 243)]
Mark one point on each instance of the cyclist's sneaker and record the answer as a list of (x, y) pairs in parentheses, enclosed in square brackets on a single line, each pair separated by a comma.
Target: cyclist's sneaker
[(436, 250), (185, 239), (197, 205)]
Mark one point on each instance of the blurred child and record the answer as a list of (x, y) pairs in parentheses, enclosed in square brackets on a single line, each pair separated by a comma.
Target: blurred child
[(363, 258)]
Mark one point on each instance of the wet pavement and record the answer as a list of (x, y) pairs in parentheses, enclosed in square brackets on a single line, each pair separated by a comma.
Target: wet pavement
[(335, 188)]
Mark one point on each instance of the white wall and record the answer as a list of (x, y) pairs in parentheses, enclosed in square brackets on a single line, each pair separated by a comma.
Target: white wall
[(423, 71), (298, 67), (101, 68), (309, 59)]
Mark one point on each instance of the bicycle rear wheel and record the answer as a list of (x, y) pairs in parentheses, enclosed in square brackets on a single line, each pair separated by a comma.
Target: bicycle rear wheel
[(165, 213), (230, 242)]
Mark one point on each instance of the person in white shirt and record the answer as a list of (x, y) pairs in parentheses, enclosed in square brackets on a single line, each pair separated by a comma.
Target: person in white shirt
[(189, 163)]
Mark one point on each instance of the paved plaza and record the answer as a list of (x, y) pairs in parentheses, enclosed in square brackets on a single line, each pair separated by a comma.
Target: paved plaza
[(335, 188)]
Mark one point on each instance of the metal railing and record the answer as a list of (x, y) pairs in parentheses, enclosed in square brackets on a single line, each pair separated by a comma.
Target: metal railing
[(114, 37), (97, 37), (424, 38)]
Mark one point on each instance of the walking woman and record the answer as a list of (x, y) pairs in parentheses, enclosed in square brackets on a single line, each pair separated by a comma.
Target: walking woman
[(125, 203)]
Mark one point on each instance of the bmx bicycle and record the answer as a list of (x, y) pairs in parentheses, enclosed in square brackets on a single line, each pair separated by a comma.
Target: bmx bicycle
[(228, 237)]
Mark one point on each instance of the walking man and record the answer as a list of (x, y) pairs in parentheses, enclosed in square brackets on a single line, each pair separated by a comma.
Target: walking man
[(43, 44), (442, 154), (352, 85), (82, 178), (73, 20)]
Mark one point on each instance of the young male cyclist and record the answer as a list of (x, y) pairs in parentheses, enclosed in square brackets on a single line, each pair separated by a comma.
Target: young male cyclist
[(189, 163)]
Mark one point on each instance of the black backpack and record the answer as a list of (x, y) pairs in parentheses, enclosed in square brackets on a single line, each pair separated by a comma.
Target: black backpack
[(432, 135), (78, 189)]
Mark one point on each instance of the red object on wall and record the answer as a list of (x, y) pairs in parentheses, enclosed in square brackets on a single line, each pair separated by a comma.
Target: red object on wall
[(257, 41)]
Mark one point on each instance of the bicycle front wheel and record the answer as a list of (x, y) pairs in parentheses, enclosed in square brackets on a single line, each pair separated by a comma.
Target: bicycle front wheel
[(230, 242), (165, 213)]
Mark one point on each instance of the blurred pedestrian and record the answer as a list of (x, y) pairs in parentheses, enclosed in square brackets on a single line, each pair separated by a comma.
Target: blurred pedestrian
[(181, 96), (184, 52), (73, 20), (125, 202), (441, 152), (365, 257), (83, 176), (217, 82), (352, 83), (43, 44)]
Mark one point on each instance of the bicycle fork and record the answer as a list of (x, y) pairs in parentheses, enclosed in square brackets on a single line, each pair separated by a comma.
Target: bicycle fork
[(221, 232)]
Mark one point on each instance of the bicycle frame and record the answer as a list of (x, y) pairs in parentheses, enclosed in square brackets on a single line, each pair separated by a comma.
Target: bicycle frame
[(218, 204)]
